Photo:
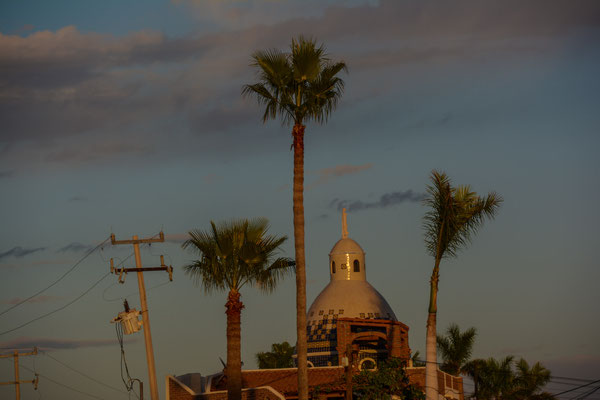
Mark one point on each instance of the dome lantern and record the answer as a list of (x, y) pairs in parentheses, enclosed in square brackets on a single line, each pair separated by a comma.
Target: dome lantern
[(347, 258)]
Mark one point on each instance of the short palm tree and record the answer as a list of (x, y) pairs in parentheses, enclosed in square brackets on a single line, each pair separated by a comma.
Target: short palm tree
[(494, 379), (454, 216), (234, 254), (299, 86), (456, 348), (529, 381)]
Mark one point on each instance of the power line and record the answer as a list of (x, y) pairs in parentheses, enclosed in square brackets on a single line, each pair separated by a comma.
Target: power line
[(66, 305), (58, 280), (82, 374), (578, 387), (58, 309), (63, 385)]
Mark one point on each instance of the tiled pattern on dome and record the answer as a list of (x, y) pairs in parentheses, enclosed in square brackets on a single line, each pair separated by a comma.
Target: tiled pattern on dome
[(322, 335)]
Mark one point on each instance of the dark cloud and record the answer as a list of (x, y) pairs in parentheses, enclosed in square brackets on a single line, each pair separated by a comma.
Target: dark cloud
[(114, 91), (386, 200), (57, 344), (6, 173), (78, 199), (74, 247), (20, 252)]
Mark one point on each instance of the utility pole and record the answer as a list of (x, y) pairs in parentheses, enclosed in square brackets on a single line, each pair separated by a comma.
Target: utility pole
[(144, 307), (18, 382)]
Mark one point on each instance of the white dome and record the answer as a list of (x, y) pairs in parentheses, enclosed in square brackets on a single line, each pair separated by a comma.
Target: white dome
[(346, 246), (350, 299)]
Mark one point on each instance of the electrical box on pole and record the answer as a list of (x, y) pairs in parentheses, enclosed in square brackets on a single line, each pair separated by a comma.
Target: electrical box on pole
[(128, 318)]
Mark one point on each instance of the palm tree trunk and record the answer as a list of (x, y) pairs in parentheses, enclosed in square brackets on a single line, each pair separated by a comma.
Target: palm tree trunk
[(431, 381), (298, 200), (233, 370)]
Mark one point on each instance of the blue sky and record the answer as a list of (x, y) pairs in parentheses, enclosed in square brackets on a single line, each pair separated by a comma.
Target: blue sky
[(126, 117)]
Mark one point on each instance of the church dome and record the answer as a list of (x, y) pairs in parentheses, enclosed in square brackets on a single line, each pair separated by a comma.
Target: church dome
[(349, 299), (348, 295)]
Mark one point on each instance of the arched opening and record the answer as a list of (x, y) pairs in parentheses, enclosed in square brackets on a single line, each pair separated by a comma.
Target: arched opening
[(367, 364), (356, 266), (333, 267)]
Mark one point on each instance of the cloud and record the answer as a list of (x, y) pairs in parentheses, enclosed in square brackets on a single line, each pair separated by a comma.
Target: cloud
[(78, 199), (386, 200), (99, 96), (57, 344), (177, 237), (39, 299), (327, 174), (6, 173), (20, 252), (75, 247)]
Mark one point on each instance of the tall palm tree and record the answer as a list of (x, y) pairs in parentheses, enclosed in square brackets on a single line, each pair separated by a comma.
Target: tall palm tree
[(456, 348), (297, 87), (454, 216), (234, 254)]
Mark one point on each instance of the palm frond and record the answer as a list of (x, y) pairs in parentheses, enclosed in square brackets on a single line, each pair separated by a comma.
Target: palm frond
[(454, 215), (296, 86), (236, 253)]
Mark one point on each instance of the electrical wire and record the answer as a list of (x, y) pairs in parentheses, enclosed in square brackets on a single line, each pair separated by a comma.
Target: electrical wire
[(129, 383), (81, 373), (130, 294), (63, 385), (58, 280), (58, 309), (578, 387), (68, 304)]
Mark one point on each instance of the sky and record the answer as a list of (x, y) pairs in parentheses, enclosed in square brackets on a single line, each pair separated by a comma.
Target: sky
[(126, 117)]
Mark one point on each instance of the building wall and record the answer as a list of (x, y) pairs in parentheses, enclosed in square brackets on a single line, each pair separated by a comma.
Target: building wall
[(449, 386), (176, 390)]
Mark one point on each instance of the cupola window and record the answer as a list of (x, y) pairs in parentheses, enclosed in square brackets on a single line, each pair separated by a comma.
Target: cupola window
[(356, 266), (333, 267)]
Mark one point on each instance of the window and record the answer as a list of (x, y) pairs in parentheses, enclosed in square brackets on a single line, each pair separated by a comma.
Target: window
[(356, 266), (333, 267)]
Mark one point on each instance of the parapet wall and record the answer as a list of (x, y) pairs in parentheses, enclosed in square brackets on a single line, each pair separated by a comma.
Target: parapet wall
[(176, 390)]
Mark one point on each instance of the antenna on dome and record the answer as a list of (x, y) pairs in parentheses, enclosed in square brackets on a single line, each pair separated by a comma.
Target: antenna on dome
[(344, 224)]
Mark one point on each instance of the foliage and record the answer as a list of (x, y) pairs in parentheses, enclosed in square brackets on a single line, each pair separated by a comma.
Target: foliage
[(280, 356), (508, 380), (237, 253), (298, 86), (456, 348), (390, 379), (455, 214)]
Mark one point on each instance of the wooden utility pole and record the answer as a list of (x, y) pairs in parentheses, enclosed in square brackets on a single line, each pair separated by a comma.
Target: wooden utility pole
[(142, 289), (18, 382)]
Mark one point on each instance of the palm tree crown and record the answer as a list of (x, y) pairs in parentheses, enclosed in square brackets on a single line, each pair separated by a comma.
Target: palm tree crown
[(237, 253), (455, 214), (298, 86)]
